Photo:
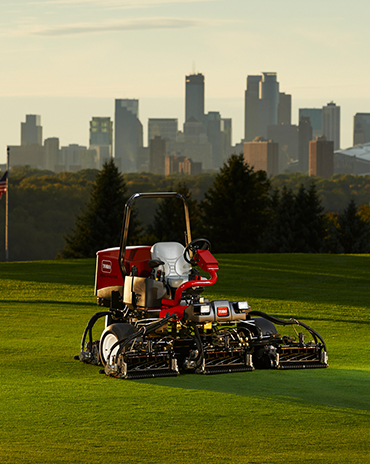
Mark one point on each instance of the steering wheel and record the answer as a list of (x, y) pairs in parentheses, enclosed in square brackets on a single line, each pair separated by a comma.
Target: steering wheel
[(193, 247)]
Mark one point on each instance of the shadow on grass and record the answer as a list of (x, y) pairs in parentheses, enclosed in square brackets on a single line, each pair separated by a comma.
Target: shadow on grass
[(337, 388)]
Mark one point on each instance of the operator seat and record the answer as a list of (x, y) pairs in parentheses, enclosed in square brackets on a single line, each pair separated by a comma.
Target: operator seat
[(176, 270)]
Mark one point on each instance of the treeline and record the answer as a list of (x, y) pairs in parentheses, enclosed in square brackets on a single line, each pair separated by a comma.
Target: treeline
[(238, 209)]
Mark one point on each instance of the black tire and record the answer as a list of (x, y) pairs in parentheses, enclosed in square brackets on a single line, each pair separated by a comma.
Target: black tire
[(112, 334)]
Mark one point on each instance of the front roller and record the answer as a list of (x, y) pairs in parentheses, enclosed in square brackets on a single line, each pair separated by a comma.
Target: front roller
[(112, 334), (131, 353), (272, 350)]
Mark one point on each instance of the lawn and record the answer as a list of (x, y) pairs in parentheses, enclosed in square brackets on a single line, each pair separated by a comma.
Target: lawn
[(57, 410)]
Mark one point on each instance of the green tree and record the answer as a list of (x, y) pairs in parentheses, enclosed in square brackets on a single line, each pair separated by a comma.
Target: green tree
[(99, 224), (298, 223), (279, 236), (235, 209), (353, 232)]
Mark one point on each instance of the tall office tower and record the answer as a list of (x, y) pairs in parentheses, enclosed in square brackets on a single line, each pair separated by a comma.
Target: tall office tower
[(226, 133), (101, 131), (321, 158), (194, 97), (262, 155), (361, 128), (269, 102), (251, 108), (157, 154), (31, 130), (213, 130), (315, 115), (128, 134), (165, 128), (304, 138), (285, 109), (331, 123), (51, 152)]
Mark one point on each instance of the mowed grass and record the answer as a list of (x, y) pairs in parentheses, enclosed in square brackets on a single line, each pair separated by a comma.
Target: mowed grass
[(54, 409)]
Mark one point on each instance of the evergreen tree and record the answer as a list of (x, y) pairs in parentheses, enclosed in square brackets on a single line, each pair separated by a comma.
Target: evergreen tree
[(298, 224), (235, 209), (169, 218), (354, 232), (279, 236), (309, 221), (100, 222)]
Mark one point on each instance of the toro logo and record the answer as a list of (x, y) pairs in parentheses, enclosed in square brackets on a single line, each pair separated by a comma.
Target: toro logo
[(106, 266), (223, 311)]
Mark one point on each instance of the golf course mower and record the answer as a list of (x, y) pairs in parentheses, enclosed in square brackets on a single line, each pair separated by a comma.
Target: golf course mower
[(158, 323)]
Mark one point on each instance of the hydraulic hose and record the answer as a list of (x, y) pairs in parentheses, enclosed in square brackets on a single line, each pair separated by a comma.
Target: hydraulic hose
[(278, 321), (90, 325)]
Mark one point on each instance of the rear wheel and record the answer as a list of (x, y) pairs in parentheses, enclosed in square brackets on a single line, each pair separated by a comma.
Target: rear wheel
[(111, 335)]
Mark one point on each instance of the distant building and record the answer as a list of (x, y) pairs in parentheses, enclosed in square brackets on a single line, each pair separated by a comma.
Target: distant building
[(315, 115), (101, 131), (331, 123), (287, 138), (285, 109), (51, 152), (31, 130), (213, 129), (194, 97), (226, 133), (165, 128), (321, 158), (354, 160), (251, 108), (31, 155), (75, 157), (182, 165), (304, 138), (269, 102), (157, 154), (361, 128), (262, 155), (128, 134)]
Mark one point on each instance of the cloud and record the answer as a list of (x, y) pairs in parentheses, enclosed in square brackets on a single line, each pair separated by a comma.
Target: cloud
[(114, 26)]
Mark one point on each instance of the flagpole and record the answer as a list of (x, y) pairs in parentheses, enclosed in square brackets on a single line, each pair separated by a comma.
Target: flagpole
[(7, 209)]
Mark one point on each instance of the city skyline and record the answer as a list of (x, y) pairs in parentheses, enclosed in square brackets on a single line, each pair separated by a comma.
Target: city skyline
[(68, 61)]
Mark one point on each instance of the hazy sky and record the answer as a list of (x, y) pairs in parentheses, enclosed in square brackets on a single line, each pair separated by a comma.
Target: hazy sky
[(67, 60)]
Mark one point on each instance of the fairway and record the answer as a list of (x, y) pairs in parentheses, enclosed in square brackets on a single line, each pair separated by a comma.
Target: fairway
[(57, 410)]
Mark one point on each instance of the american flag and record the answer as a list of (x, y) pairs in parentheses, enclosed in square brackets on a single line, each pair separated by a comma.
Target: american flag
[(3, 183)]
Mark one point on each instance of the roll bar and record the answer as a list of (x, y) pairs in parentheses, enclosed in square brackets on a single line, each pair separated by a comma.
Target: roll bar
[(127, 214)]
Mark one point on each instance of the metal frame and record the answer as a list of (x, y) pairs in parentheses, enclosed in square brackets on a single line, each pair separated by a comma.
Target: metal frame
[(127, 214)]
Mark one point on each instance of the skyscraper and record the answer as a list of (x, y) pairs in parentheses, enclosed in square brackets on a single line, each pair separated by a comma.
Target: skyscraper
[(165, 128), (262, 99), (128, 134), (315, 115), (194, 97), (31, 130), (269, 104), (331, 123), (304, 138), (101, 131), (213, 130), (251, 108), (285, 109), (361, 128)]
